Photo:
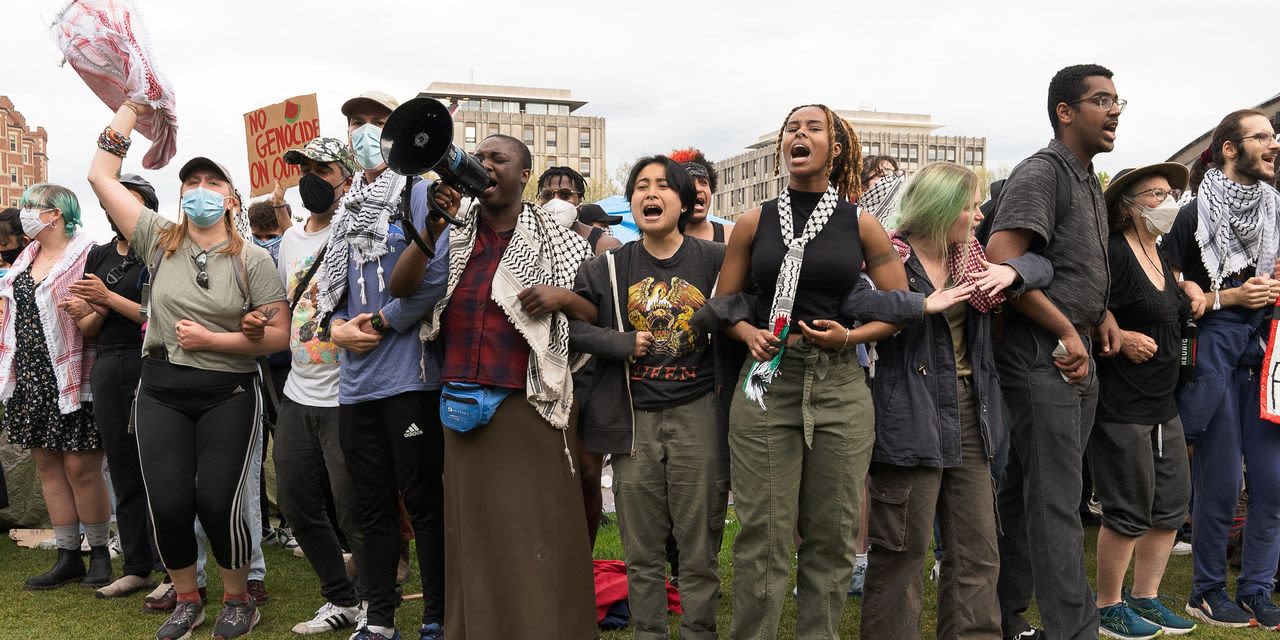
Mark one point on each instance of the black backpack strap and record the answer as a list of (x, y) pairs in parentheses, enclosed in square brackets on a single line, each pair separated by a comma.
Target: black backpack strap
[(306, 278), (1062, 195)]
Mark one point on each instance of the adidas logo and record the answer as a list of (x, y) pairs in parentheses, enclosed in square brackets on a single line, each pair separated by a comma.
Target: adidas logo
[(412, 431), (238, 389)]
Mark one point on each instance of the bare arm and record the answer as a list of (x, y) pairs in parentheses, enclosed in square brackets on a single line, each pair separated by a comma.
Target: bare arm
[(193, 336), (886, 271), (733, 279), (104, 176)]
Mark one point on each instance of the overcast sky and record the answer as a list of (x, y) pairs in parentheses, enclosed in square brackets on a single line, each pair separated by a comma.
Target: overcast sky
[(664, 74)]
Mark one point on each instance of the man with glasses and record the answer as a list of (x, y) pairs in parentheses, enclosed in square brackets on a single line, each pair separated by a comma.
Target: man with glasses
[(1053, 205), (1225, 242)]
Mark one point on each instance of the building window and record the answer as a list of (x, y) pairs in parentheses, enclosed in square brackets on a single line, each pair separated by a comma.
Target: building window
[(526, 134), (951, 154), (913, 153), (26, 153), (493, 128), (584, 167), (471, 132), (866, 149), (536, 108), (893, 150), (875, 148), (552, 135), (13, 176), (584, 138), (977, 155), (968, 155), (13, 142), (933, 153), (553, 161)]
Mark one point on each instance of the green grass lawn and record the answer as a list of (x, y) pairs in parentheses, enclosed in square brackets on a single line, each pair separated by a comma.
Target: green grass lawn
[(73, 613)]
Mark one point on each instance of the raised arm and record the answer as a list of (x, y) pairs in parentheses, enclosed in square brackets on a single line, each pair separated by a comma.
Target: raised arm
[(104, 174)]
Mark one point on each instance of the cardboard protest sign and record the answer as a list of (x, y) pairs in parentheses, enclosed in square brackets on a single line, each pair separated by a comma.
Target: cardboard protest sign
[(273, 130)]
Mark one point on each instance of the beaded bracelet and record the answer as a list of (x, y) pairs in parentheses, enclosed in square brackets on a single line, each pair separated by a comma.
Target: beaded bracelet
[(114, 142)]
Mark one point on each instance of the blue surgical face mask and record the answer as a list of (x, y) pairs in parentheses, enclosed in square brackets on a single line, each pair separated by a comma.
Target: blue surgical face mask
[(366, 142), (269, 243), (205, 208)]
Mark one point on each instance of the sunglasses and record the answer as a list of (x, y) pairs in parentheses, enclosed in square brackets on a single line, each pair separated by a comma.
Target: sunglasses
[(202, 263), (563, 194)]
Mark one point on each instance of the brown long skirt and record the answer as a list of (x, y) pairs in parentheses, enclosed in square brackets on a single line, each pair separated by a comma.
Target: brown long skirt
[(517, 560)]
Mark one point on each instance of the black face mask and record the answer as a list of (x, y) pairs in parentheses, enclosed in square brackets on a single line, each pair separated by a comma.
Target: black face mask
[(9, 255), (317, 194)]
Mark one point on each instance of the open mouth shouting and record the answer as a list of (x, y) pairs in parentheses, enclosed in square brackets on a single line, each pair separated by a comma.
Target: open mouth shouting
[(651, 212), (800, 152), (700, 204), (1109, 130)]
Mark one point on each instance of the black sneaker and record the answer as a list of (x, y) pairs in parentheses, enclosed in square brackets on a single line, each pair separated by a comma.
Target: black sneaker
[(185, 618), (1261, 607), (236, 619), (1217, 609)]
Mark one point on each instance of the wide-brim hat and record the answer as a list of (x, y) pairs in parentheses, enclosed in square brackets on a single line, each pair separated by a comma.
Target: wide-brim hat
[(1177, 175)]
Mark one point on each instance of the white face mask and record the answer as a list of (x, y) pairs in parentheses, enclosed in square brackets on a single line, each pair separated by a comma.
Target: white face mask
[(1160, 219), (31, 224), (564, 213)]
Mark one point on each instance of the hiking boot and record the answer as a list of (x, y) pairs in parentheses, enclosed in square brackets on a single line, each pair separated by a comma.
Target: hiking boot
[(1153, 610), (1218, 610), (329, 617), (859, 577), (363, 633), (69, 568), (237, 618), (1119, 621), (432, 631), (99, 574), (1261, 607), (185, 618), (258, 591)]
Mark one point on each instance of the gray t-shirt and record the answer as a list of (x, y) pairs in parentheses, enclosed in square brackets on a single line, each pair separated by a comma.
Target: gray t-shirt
[(176, 296), (1075, 242)]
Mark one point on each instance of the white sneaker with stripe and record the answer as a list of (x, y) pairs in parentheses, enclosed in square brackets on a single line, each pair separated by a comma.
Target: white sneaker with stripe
[(329, 617)]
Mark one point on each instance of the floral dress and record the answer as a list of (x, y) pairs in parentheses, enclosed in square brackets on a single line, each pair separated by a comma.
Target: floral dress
[(31, 416)]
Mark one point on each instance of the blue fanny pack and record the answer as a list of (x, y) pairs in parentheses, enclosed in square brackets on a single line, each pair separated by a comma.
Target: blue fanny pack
[(465, 406)]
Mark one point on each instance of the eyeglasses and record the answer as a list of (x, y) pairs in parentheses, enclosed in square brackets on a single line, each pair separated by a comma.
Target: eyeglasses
[(564, 194), (202, 262), (1264, 139), (117, 272), (1160, 194), (1105, 102)]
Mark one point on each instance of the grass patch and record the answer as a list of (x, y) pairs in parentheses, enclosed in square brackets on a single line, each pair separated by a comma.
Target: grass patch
[(73, 612)]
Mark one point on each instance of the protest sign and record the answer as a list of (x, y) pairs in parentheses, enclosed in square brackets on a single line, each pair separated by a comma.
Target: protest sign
[(273, 130)]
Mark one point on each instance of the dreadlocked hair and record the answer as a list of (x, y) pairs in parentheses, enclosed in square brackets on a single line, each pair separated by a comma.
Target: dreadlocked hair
[(844, 172)]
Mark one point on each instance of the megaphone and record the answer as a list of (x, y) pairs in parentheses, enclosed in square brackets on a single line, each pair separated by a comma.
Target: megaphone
[(418, 137)]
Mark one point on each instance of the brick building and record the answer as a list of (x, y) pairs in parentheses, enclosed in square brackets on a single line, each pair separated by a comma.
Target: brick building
[(23, 157)]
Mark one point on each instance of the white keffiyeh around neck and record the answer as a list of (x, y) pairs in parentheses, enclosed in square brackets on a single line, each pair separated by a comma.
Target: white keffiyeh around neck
[(541, 252), (360, 232), (1236, 226), (784, 293)]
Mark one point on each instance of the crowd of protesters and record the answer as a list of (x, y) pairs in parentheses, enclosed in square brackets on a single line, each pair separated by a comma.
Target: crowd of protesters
[(930, 377)]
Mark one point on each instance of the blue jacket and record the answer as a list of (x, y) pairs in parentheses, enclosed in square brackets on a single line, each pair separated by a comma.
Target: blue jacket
[(914, 387)]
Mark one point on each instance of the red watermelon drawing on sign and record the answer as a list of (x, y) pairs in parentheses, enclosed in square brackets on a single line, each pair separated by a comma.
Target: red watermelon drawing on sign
[(291, 111)]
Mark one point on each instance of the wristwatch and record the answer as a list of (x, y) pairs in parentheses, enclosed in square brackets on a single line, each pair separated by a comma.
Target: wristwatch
[(378, 324)]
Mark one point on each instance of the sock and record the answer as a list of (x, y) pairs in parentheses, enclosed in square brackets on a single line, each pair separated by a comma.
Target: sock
[(387, 632), (67, 536), (193, 596), (98, 534)]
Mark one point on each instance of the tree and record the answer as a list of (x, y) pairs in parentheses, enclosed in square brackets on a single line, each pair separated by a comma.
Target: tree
[(1103, 179)]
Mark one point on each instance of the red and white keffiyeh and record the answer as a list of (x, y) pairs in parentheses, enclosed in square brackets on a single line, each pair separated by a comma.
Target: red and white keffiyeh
[(107, 44), (962, 262)]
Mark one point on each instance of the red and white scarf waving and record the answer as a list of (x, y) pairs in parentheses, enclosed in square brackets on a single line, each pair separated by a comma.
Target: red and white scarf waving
[(72, 354), (106, 43)]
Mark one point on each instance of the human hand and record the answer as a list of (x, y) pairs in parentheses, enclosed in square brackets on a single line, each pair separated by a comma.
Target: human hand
[(277, 194), (1074, 364), (1137, 347), (1199, 303), (995, 277), (75, 307), (91, 289), (762, 344), (1109, 335), (827, 334), (942, 299), (543, 298), (356, 334), (193, 336), (254, 324), (1255, 293), (644, 342)]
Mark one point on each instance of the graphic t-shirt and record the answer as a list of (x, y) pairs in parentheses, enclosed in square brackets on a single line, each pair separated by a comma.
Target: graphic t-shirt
[(313, 378), (661, 299)]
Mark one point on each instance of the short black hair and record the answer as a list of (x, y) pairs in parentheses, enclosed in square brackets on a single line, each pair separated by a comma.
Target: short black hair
[(677, 178), (10, 224), (262, 216), (553, 172), (526, 158), (1068, 86)]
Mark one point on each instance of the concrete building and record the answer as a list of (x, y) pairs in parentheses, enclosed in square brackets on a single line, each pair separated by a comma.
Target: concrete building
[(543, 118), (748, 179), (23, 159)]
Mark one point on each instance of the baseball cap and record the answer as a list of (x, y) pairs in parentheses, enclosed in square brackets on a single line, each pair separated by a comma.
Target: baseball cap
[(378, 98), (324, 150), (200, 162), (589, 213)]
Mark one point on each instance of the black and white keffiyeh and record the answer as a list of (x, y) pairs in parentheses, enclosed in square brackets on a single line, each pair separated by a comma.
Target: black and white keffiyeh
[(784, 293), (882, 200), (1236, 226), (360, 232), (541, 252)]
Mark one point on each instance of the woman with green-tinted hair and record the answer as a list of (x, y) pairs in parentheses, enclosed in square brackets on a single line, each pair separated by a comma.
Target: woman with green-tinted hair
[(44, 382), (939, 415)]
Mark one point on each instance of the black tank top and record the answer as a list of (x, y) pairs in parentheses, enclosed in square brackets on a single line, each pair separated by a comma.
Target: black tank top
[(832, 260), (717, 232)]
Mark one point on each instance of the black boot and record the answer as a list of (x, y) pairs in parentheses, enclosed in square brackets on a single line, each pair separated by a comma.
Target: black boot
[(69, 568), (99, 568)]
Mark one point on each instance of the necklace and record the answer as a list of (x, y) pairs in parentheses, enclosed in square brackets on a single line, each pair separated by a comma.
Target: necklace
[(1147, 255)]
